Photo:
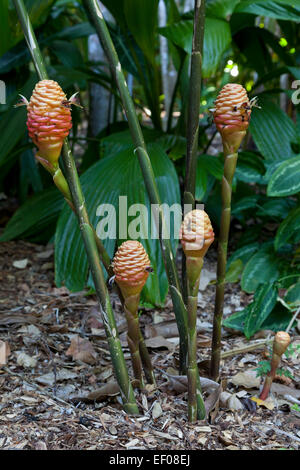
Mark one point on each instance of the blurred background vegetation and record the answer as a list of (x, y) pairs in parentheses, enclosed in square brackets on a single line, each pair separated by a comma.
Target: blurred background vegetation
[(255, 43)]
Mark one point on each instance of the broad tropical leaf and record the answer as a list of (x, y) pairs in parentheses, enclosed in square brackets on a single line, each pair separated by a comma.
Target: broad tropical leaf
[(285, 181), (217, 39), (273, 131), (103, 183)]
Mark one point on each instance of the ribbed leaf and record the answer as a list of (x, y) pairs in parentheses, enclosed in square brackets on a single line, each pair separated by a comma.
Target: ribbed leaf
[(237, 320), (276, 208), (270, 9), (235, 270), (103, 183), (293, 295), (288, 228), (273, 131), (262, 268), (263, 303), (250, 168), (217, 39), (285, 181), (34, 216), (244, 253)]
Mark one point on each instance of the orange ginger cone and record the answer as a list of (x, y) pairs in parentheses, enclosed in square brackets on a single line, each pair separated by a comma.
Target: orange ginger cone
[(196, 236), (49, 122), (231, 115), (131, 267)]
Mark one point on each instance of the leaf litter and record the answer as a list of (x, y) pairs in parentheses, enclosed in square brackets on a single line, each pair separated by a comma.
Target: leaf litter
[(57, 385)]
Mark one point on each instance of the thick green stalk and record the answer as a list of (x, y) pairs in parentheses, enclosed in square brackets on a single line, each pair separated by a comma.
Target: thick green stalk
[(229, 169), (194, 103), (193, 118), (196, 407), (87, 234), (147, 171), (134, 335)]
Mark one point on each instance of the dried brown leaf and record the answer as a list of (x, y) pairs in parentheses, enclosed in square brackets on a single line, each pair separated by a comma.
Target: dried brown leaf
[(81, 349)]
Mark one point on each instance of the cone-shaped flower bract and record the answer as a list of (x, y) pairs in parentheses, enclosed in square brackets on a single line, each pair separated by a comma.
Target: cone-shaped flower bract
[(48, 119), (196, 233), (130, 267), (232, 114)]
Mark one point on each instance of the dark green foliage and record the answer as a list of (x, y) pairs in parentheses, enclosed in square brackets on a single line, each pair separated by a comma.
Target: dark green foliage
[(262, 39)]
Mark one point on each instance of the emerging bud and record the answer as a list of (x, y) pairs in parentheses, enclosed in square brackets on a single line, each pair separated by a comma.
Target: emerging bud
[(131, 267), (48, 119), (281, 342), (196, 233), (232, 114)]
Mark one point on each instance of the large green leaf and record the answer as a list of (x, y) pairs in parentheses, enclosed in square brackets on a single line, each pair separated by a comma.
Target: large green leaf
[(270, 9), (4, 27), (142, 22), (250, 168), (292, 296), (220, 8), (262, 268), (103, 183), (13, 124), (263, 303), (285, 181), (217, 38), (35, 216), (38, 12), (273, 131), (288, 228)]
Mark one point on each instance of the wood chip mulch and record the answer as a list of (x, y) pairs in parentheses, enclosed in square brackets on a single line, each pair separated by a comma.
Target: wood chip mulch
[(57, 384)]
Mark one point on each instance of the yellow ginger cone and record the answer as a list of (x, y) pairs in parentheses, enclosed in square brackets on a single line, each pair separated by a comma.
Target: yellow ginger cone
[(48, 120), (232, 115)]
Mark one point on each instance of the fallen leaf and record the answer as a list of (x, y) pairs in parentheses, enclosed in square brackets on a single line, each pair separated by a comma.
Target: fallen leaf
[(156, 410), (4, 352), (159, 342), (82, 350), (279, 389), (25, 360), (62, 374), (247, 379), (108, 390), (20, 264), (268, 403)]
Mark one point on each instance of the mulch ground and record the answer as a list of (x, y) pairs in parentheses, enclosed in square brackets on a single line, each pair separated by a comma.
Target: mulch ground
[(57, 384)]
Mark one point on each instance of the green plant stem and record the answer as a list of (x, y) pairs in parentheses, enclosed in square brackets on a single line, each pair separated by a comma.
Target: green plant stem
[(114, 343), (170, 116), (194, 103), (134, 335), (144, 353), (229, 169), (95, 13), (196, 407), (193, 119)]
